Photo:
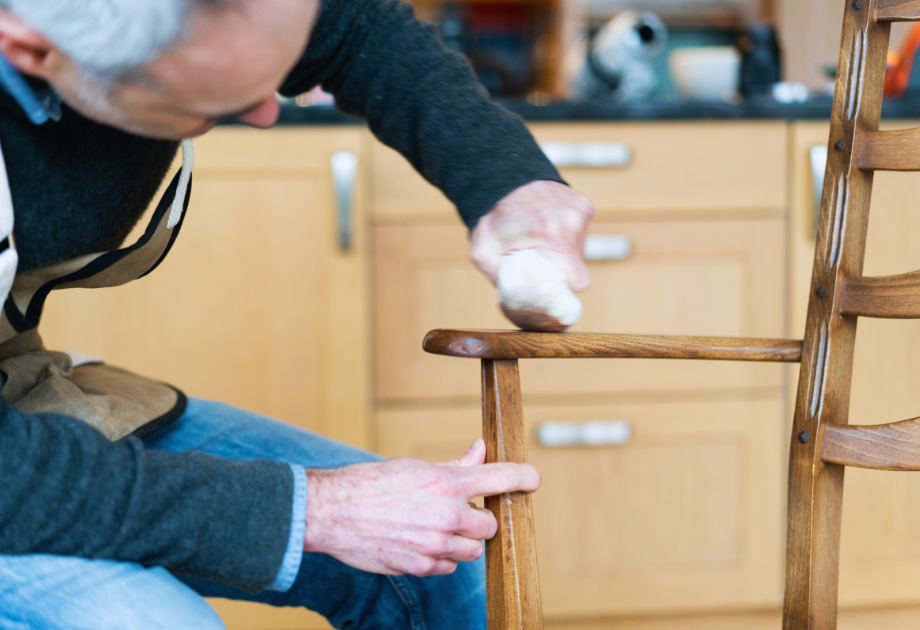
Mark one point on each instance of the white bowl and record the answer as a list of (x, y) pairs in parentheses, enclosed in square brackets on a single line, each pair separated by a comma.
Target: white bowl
[(705, 72)]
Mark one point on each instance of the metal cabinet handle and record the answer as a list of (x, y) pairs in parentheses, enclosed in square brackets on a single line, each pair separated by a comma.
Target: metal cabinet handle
[(818, 167), (344, 172), (600, 247), (588, 154), (591, 433)]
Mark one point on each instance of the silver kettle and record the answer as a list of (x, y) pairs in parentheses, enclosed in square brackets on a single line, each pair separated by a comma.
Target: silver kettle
[(619, 58)]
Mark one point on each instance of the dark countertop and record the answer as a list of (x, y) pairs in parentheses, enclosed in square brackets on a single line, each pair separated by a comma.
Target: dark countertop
[(759, 108)]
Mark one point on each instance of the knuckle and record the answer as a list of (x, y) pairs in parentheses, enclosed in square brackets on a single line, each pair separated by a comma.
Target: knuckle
[(452, 521), (430, 544), (492, 527), (450, 480), (586, 206), (476, 552), (423, 566), (511, 477)]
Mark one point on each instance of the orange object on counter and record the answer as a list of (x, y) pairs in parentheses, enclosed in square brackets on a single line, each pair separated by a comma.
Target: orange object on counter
[(901, 64)]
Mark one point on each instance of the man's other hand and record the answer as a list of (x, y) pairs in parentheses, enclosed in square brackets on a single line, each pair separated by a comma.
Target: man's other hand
[(542, 215), (406, 515)]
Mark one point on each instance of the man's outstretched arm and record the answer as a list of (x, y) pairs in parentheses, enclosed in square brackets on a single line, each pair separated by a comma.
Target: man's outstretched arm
[(424, 101), (421, 99)]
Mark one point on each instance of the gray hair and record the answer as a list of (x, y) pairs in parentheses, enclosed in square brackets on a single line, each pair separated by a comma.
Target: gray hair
[(108, 37)]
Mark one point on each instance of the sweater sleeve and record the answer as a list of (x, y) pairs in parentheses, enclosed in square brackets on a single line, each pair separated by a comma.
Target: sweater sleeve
[(421, 99), (68, 491)]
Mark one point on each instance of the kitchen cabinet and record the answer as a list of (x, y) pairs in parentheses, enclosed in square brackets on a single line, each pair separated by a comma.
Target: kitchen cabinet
[(684, 277), (681, 526), (687, 515), (675, 169), (257, 305)]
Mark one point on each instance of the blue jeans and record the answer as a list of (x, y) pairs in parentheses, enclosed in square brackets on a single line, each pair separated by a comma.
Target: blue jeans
[(56, 592)]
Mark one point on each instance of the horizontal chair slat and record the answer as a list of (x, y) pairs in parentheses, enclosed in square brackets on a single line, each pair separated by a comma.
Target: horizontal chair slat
[(498, 344), (893, 446), (889, 150), (889, 297), (897, 11)]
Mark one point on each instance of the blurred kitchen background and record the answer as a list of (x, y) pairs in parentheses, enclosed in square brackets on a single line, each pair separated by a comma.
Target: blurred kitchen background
[(699, 129), (623, 50)]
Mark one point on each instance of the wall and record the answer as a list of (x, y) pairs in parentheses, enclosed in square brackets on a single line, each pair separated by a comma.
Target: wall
[(810, 31)]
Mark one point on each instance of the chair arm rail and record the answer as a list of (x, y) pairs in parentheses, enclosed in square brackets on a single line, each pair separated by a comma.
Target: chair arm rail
[(497, 344), (893, 446), (892, 297), (890, 150), (897, 11)]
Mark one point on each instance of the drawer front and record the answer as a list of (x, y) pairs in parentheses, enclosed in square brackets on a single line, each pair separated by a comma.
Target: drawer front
[(283, 150), (676, 167), (686, 515), (694, 278)]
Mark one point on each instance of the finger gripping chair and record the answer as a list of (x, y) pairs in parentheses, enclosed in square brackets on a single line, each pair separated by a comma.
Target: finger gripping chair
[(822, 441)]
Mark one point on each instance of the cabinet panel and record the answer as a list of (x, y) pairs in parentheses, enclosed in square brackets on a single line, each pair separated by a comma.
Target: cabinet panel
[(681, 168), (686, 516), (255, 305), (693, 278), (880, 540), (760, 619), (274, 151)]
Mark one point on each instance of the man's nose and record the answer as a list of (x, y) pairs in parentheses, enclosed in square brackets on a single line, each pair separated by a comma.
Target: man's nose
[(263, 115)]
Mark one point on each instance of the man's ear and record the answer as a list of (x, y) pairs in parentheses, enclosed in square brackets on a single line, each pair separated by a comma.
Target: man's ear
[(24, 47)]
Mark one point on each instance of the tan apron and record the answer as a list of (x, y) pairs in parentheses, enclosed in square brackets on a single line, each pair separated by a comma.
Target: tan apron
[(37, 380)]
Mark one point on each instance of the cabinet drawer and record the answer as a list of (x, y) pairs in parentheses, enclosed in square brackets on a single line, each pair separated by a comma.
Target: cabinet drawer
[(678, 168), (283, 150), (687, 515), (693, 278)]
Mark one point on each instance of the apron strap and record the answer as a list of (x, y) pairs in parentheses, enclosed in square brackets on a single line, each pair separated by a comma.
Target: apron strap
[(25, 300)]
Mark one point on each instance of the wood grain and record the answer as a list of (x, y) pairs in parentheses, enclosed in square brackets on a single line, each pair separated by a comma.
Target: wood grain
[(878, 564), (273, 314), (894, 446), (897, 10), (685, 518), (890, 150), (890, 297), (512, 582), (255, 306), (497, 344), (691, 278), (816, 487), (681, 168)]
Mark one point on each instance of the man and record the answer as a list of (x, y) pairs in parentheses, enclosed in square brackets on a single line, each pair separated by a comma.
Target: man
[(215, 501)]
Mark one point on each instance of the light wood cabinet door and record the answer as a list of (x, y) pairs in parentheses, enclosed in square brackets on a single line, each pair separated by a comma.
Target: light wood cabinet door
[(679, 169), (686, 516), (256, 305), (691, 277), (880, 540)]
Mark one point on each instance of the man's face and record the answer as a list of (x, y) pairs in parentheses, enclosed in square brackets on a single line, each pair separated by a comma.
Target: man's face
[(229, 65)]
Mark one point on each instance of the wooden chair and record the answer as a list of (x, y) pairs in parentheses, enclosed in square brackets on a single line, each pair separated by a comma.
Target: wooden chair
[(822, 440)]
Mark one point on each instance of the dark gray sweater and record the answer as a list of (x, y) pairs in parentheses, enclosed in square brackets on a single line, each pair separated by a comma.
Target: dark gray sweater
[(78, 187)]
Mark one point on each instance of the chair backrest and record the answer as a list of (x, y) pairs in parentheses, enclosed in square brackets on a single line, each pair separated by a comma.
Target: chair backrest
[(823, 442)]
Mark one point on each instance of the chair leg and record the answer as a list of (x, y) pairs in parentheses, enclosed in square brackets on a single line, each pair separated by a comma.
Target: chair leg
[(512, 582), (813, 544)]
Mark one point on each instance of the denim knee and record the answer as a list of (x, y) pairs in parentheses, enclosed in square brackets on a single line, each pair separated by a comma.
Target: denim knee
[(58, 593)]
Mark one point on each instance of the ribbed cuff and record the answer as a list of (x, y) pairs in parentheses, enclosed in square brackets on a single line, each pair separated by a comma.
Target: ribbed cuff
[(290, 565)]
